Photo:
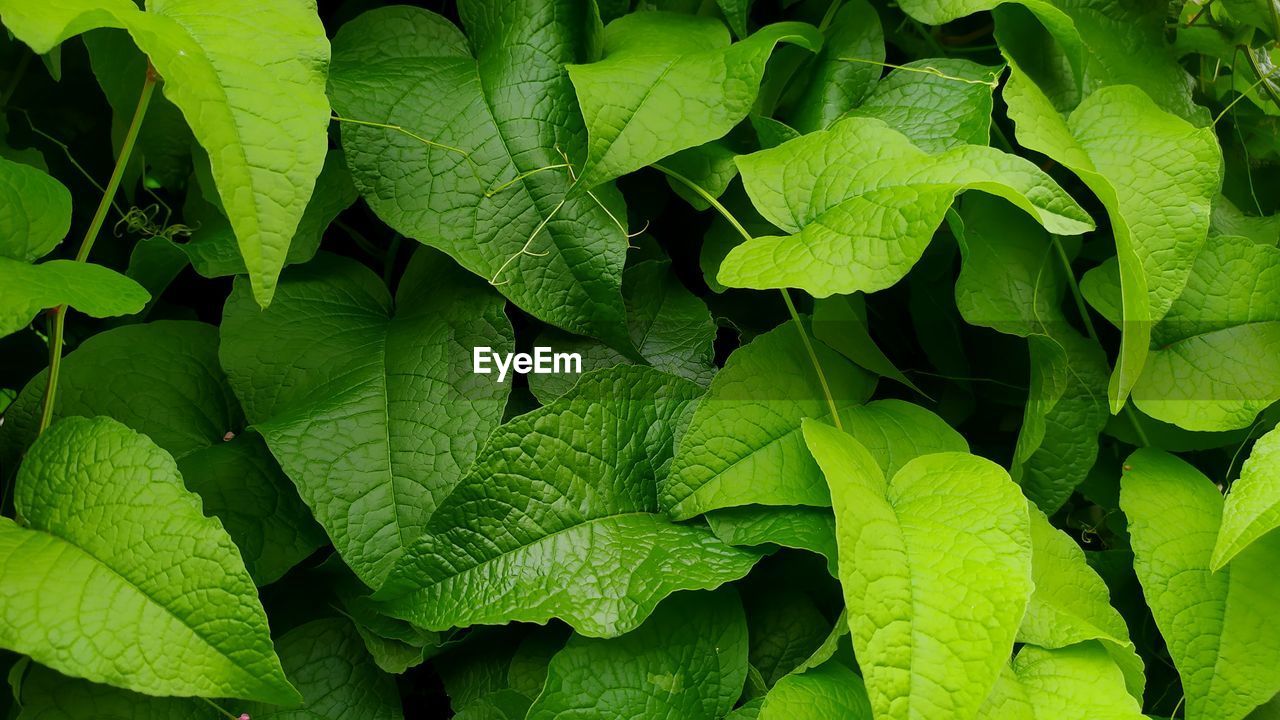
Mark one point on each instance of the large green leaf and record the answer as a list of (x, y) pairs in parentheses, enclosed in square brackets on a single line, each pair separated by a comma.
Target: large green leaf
[(160, 586), (324, 658), (825, 692), (477, 169), (1013, 280), (181, 400), (1071, 604), (861, 202), (370, 406), (667, 82), (933, 622), (837, 85), (258, 108), (686, 662), (1213, 363), (1155, 173), (1219, 626), (559, 518), (743, 443), (1080, 682), (1252, 509)]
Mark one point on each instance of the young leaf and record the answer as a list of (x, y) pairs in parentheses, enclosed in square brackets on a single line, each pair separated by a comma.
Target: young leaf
[(92, 289), (1252, 508), (446, 154), (35, 212), (559, 518), (1157, 176), (933, 623), (370, 406), (1213, 366), (105, 509), (1213, 622), (861, 203), (743, 444), (1071, 604), (258, 108), (828, 691), (668, 82), (686, 662), (181, 400)]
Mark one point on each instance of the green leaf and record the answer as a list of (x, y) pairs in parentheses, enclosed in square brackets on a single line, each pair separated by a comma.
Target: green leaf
[(1213, 366), (828, 691), (1155, 173), (686, 662), (743, 444), (837, 85), (212, 247), (104, 510), (35, 212), (802, 528), (337, 678), (92, 289), (1071, 604), (231, 87), (1252, 508), (841, 322), (1081, 682), (736, 13), (932, 622), (939, 103), (559, 518), (1212, 622), (323, 657), (476, 170), (370, 406), (181, 400), (1013, 280), (668, 325), (785, 629), (668, 82), (881, 200)]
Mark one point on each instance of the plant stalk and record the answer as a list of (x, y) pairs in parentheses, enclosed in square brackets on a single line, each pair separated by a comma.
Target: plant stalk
[(58, 315), (786, 296)]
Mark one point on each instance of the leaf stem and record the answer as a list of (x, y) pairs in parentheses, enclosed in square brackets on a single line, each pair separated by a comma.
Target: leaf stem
[(58, 315), (1083, 309), (786, 296)]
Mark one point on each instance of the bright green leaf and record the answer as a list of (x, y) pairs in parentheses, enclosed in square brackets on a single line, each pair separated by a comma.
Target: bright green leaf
[(258, 108), (829, 691), (1081, 682), (933, 622), (1217, 625), (861, 203), (35, 212), (837, 85), (1252, 508), (104, 509), (92, 289), (939, 104)]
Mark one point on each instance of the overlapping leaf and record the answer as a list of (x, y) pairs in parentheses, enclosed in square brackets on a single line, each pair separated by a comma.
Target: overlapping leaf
[(1252, 509), (668, 82), (559, 518), (861, 203), (1218, 625), (369, 405), (265, 153), (478, 169), (933, 621), (160, 586)]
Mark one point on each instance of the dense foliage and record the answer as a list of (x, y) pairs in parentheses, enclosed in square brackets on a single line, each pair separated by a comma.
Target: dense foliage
[(931, 347)]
